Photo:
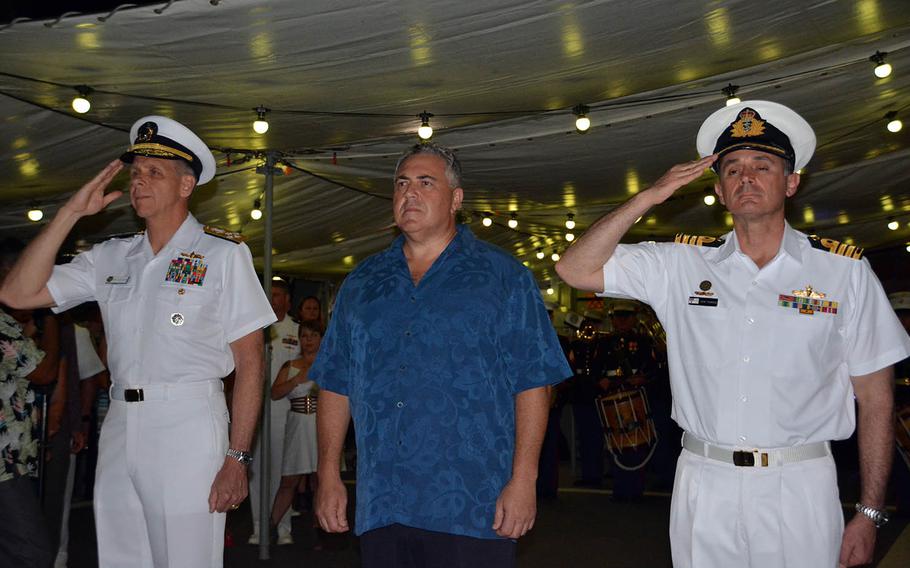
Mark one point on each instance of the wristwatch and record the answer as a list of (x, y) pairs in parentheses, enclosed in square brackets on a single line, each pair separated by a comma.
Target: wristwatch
[(243, 457), (877, 516)]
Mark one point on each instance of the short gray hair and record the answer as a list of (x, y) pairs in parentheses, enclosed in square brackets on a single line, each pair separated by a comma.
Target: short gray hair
[(453, 166)]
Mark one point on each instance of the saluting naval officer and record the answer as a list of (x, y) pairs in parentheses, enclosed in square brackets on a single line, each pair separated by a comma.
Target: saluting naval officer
[(771, 333), (182, 307)]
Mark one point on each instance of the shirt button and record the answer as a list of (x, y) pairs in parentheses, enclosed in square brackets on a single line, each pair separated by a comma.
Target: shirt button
[(413, 298), (744, 399), (742, 438), (402, 367), (399, 404), (408, 333), (746, 359), (750, 320)]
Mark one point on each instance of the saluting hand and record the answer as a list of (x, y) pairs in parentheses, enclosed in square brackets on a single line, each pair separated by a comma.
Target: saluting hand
[(90, 198), (678, 176)]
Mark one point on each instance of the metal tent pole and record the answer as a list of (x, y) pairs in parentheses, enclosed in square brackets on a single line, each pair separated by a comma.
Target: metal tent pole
[(265, 466)]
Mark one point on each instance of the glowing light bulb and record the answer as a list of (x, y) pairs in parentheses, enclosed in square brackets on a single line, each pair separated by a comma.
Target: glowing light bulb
[(513, 221), (81, 105), (35, 215), (554, 256), (425, 131), (710, 199), (260, 125), (256, 212), (893, 225), (570, 237), (550, 291), (570, 221), (487, 221), (895, 125), (582, 122), (540, 254)]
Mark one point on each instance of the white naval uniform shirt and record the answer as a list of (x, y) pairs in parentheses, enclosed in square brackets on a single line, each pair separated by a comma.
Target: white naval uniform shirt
[(285, 343), (164, 325), (745, 370)]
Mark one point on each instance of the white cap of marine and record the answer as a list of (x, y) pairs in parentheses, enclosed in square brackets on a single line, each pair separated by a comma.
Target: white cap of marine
[(162, 137)]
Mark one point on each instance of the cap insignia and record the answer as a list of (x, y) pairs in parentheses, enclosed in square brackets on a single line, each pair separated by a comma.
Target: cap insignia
[(747, 125), (146, 132)]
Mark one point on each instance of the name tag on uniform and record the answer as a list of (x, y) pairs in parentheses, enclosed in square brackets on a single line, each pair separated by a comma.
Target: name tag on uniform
[(696, 301), (117, 279)]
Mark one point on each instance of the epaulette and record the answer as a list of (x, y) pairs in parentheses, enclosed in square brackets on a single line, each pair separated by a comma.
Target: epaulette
[(698, 240), (835, 247), (223, 234)]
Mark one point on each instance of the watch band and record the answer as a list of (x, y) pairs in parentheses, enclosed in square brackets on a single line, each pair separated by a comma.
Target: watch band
[(877, 516), (243, 457)]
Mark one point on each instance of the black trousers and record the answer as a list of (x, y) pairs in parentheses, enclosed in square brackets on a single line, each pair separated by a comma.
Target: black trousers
[(24, 541), (398, 546)]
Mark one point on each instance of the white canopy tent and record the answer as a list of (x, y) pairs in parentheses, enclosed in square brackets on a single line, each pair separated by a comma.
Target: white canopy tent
[(345, 80)]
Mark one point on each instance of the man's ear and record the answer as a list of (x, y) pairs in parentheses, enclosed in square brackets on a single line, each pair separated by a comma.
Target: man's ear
[(792, 184), (717, 191), (457, 197), (187, 185)]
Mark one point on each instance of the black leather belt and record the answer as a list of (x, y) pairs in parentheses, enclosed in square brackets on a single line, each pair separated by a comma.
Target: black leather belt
[(133, 395)]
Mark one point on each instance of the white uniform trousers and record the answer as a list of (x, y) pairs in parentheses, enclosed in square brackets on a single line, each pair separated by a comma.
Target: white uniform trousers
[(157, 460), (786, 516), (279, 416)]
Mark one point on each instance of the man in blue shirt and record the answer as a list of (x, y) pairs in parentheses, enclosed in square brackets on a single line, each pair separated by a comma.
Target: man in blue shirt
[(441, 350)]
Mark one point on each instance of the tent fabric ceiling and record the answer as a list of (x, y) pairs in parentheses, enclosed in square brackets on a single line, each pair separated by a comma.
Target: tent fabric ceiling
[(345, 80)]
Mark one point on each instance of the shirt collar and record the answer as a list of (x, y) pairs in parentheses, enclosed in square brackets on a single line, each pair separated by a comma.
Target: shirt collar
[(464, 239), (790, 244), (183, 239)]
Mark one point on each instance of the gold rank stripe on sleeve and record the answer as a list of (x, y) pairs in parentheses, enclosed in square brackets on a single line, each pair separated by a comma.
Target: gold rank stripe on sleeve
[(698, 240), (836, 247), (223, 234)]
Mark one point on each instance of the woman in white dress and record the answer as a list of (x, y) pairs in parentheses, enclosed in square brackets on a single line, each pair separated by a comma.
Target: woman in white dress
[(300, 431)]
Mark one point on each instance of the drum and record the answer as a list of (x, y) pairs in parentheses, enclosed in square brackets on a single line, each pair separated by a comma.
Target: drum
[(626, 420)]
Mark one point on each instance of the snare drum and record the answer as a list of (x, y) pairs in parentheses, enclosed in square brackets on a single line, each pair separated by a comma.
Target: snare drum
[(626, 420)]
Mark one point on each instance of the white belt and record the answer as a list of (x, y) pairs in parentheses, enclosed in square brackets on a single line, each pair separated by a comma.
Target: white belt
[(756, 457), (167, 391)]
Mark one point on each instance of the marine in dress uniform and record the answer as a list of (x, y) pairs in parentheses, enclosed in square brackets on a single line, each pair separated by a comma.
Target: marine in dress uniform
[(182, 306), (771, 334)]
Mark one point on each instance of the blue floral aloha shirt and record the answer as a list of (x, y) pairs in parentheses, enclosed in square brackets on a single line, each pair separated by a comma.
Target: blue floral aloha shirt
[(431, 372), (18, 413)]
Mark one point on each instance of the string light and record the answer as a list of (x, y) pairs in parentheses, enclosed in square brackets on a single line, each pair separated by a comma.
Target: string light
[(582, 122), (540, 254), (260, 125), (513, 220), (35, 215), (709, 198), (256, 213), (570, 237), (486, 221), (730, 92), (894, 124), (550, 291), (555, 256), (81, 104), (893, 225), (425, 131), (882, 69), (908, 247), (570, 221)]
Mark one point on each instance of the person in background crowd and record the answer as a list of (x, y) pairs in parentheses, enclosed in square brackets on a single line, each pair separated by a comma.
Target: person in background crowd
[(583, 391), (182, 307), (310, 309), (24, 538), (626, 363), (771, 334), (293, 384), (900, 302), (442, 351), (285, 347)]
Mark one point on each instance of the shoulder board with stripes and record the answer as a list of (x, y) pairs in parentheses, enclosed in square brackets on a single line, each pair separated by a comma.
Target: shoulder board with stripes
[(698, 240), (835, 247), (223, 234)]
